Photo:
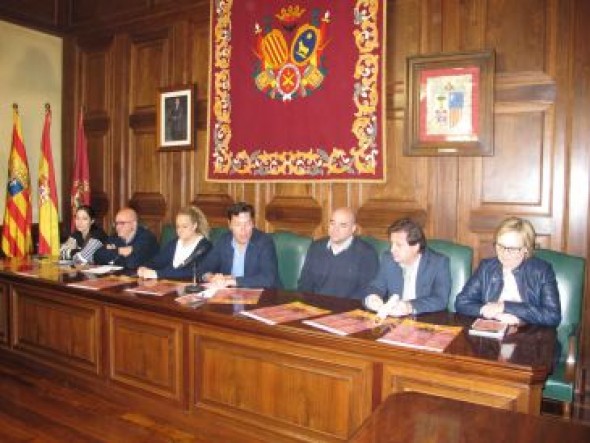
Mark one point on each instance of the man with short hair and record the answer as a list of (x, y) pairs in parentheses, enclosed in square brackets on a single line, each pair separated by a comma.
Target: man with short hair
[(417, 275), (133, 245), (340, 264), (243, 257)]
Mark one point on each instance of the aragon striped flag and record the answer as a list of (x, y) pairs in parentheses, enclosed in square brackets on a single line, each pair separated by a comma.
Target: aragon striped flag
[(48, 215), (16, 231), (80, 194)]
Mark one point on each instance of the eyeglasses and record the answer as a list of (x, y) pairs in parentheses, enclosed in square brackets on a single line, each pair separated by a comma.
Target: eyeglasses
[(122, 222), (511, 250)]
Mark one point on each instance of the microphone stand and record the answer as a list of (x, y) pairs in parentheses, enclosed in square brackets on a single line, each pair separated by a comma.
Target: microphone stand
[(194, 287)]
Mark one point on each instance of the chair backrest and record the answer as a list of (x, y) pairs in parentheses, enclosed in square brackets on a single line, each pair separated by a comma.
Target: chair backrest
[(380, 245), (570, 274), (216, 233), (460, 262), (291, 250), (167, 233)]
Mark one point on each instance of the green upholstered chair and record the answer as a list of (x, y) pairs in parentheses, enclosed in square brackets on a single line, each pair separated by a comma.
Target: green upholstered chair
[(570, 274), (216, 233), (380, 245), (291, 250), (167, 233), (460, 261)]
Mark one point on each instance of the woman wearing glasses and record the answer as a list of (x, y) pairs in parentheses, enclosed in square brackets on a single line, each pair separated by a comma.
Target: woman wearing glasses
[(513, 287), (181, 257)]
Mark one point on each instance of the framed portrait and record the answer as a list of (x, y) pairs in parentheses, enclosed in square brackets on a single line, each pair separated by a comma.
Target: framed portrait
[(450, 104), (176, 118)]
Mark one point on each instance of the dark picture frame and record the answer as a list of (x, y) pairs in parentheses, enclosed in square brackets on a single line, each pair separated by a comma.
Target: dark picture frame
[(176, 118), (450, 102)]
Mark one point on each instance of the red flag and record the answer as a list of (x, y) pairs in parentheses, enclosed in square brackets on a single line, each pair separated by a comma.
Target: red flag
[(48, 215), (80, 194), (16, 231)]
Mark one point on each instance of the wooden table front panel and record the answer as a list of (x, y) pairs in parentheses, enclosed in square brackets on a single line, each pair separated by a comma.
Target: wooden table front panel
[(63, 330), (146, 352), (279, 385), (458, 385)]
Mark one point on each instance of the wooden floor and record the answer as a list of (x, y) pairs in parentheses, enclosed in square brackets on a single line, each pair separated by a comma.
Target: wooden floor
[(36, 408)]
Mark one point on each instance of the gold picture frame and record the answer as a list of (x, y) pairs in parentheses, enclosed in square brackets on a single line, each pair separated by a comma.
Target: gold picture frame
[(450, 102)]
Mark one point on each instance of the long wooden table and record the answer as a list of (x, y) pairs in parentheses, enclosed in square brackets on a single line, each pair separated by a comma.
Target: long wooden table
[(289, 380)]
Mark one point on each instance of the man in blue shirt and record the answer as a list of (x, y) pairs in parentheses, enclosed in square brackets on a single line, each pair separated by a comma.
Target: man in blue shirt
[(243, 257), (340, 264)]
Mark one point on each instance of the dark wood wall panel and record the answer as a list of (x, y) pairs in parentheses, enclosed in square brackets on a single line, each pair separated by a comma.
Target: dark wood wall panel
[(95, 69), (86, 10), (95, 61), (518, 31), (504, 178)]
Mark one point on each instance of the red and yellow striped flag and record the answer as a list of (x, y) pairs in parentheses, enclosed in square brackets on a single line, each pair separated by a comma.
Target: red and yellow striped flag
[(16, 231), (48, 215)]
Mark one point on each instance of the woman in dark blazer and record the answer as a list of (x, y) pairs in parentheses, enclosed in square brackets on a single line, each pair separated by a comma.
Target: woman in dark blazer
[(85, 239), (181, 257)]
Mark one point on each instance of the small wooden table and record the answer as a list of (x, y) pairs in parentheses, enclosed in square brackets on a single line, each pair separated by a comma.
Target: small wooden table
[(415, 417)]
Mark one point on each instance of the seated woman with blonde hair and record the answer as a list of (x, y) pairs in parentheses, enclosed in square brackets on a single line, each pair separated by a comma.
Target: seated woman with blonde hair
[(513, 287), (183, 255)]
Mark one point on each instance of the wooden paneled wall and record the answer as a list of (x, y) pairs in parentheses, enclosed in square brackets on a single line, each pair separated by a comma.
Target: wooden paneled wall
[(118, 52)]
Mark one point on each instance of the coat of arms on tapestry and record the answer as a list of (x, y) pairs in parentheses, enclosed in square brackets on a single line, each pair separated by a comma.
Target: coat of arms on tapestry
[(296, 91)]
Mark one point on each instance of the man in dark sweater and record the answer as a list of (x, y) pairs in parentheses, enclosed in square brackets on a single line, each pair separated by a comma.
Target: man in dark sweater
[(341, 264), (133, 245)]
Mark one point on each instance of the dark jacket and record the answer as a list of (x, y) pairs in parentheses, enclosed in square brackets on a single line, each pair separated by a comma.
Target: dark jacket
[(433, 281), (260, 264), (162, 263), (144, 244), (536, 284)]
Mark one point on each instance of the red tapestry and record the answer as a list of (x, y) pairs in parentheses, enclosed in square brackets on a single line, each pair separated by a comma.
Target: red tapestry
[(296, 90)]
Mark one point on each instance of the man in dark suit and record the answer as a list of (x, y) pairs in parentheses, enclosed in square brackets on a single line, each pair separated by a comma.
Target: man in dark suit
[(243, 257), (133, 245), (419, 277)]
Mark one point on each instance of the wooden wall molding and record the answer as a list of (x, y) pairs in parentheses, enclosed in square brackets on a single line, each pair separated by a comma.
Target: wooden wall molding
[(300, 214), (525, 86), (46, 15), (88, 16), (487, 222), (100, 203), (151, 210), (214, 206), (97, 123), (376, 215), (143, 120)]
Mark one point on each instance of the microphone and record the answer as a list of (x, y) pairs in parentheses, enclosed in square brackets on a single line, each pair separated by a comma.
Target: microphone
[(194, 287)]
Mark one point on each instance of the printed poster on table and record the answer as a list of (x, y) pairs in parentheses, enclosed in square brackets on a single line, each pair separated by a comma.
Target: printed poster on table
[(296, 91)]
